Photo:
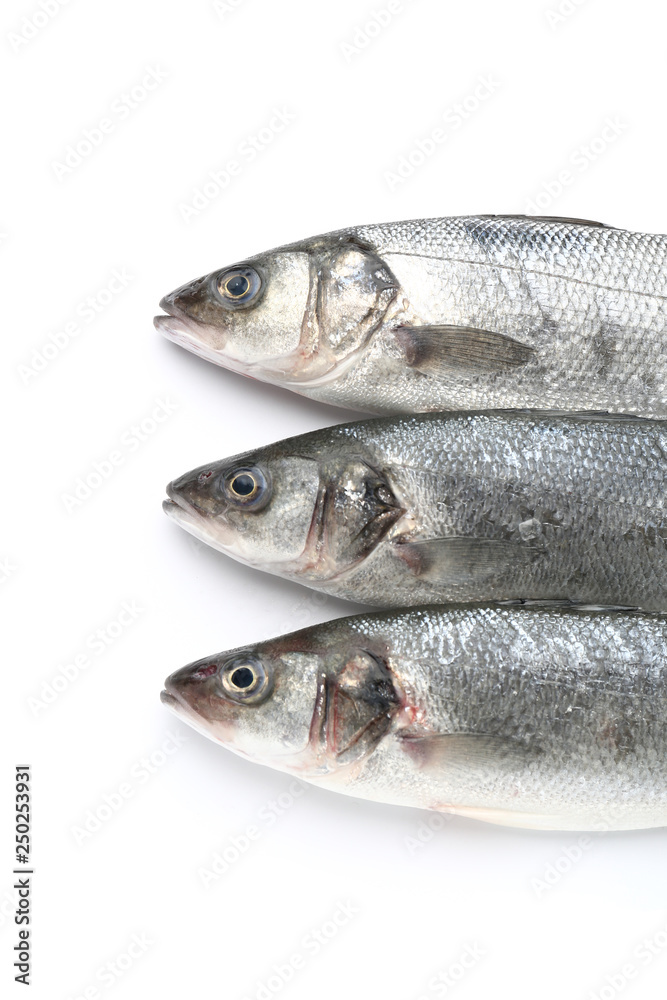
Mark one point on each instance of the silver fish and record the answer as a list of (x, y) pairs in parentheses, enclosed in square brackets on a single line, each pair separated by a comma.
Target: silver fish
[(450, 507), (533, 717), (464, 313)]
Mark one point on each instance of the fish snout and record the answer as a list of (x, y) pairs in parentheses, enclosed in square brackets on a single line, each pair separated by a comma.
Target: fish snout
[(187, 320), (168, 302), (175, 324), (177, 504), (200, 515), (188, 691), (185, 300), (191, 494), (188, 678), (174, 694)]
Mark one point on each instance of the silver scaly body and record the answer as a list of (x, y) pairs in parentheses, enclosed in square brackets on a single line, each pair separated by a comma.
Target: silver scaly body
[(590, 300), (453, 507), (464, 313), (525, 716)]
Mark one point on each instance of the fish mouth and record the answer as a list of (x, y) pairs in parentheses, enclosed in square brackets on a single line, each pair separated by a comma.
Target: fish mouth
[(185, 514), (183, 711), (177, 705), (167, 698), (174, 325), (197, 523), (178, 327), (178, 508), (174, 329), (177, 701)]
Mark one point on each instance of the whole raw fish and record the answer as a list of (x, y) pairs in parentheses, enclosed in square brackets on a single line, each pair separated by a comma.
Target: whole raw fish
[(448, 507), (529, 717), (464, 313)]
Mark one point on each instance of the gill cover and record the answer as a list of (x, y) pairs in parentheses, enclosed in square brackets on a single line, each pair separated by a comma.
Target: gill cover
[(354, 709), (355, 509), (350, 291)]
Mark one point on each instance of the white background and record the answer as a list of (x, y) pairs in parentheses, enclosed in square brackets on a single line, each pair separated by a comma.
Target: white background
[(67, 573)]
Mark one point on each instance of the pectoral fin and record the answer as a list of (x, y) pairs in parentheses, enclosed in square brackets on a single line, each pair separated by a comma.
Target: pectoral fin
[(440, 350), (460, 559), (475, 753)]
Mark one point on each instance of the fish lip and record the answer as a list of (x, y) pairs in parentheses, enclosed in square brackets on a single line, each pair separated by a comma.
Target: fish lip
[(176, 325), (173, 328), (176, 503), (193, 520), (186, 333), (181, 329), (171, 694), (180, 510), (181, 709), (176, 704), (176, 499)]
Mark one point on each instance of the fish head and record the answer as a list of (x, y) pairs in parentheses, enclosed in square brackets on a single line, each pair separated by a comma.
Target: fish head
[(289, 316), (296, 509), (297, 703), (244, 316), (252, 701)]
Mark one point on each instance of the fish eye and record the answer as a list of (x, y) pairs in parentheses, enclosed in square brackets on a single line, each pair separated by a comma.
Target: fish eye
[(238, 286), (242, 677), (244, 485), (245, 679), (247, 487)]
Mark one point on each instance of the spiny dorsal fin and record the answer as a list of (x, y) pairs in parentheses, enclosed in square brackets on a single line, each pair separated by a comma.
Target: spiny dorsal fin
[(551, 218)]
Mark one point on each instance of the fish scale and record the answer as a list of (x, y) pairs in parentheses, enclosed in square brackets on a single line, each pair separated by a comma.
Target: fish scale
[(547, 675), (526, 716), (439, 314), (481, 506), (602, 280)]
